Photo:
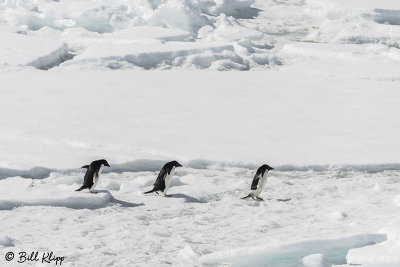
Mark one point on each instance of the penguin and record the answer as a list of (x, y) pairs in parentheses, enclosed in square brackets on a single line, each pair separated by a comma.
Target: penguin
[(259, 181), (92, 174), (164, 178)]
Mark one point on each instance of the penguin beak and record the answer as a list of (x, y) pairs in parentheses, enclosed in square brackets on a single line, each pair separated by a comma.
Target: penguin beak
[(108, 165), (179, 165)]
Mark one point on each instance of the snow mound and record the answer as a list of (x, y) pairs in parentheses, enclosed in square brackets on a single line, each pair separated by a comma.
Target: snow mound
[(228, 29), (356, 22), (38, 52), (17, 192), (160, 55), (6, 241), (333, 251), (188, 254)]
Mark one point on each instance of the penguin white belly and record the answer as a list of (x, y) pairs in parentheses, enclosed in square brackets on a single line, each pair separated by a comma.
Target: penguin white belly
[(168, 179), (96, 178), (260, 186)]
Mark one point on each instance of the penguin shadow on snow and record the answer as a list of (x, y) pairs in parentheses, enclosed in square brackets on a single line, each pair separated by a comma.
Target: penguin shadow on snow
[(219, 196), (124, 204), (256, 202), (188, 199), (280, 199)]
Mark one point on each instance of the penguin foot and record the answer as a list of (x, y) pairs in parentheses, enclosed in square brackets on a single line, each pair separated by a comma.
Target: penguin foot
[(93, 192), (158, 193), (246, 197), (259, 199)]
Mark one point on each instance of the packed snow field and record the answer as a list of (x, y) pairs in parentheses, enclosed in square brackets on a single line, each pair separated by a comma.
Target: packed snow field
[(308, 218), (316, 98)]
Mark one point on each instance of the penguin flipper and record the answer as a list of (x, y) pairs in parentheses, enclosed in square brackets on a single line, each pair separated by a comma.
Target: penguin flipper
[(159, 185), (254, 184)]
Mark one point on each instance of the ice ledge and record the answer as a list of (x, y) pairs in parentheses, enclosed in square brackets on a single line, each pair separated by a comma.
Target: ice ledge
[(23, 50), (333, 250)]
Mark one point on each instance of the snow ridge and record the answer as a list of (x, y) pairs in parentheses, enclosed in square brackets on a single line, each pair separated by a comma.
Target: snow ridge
[(145, 165)]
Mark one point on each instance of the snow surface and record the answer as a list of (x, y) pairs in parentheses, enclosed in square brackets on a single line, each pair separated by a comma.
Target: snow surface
[(67, 119), (205, 222), (316, 97)]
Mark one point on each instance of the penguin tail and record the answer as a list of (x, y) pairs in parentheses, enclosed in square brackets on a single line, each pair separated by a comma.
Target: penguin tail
[(80, 189), (151, 191)]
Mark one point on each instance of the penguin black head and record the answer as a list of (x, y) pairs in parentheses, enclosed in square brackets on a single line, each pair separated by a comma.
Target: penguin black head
[(97, 164), (265, 167), (103, 161), (175, 164)]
